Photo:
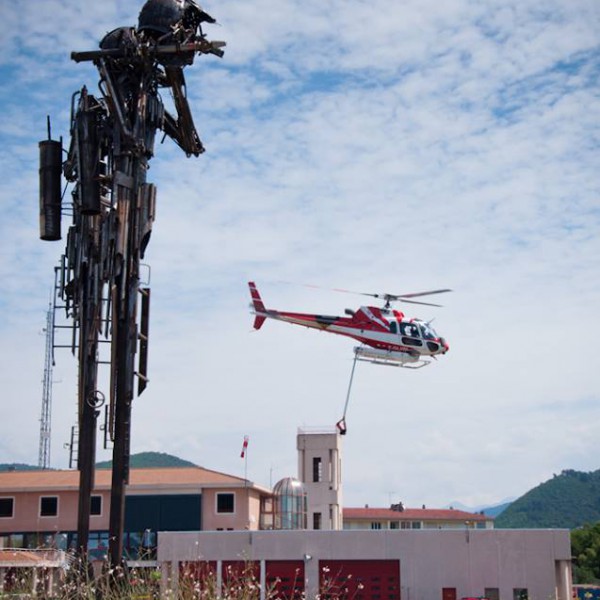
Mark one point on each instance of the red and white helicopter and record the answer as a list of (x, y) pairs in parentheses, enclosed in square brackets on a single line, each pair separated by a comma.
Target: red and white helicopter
[(387, 335)]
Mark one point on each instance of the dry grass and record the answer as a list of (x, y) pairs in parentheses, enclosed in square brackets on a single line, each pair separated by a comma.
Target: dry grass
[(136, 584)]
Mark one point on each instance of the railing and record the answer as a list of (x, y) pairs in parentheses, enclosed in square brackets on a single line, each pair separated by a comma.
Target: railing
[(324, 429)]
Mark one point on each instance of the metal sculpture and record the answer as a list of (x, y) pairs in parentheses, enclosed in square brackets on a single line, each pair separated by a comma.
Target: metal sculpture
[(113, 208)]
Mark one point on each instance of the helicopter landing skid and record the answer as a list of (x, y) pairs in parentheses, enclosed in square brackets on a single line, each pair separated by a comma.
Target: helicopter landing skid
[(418, 365), (389, 358)]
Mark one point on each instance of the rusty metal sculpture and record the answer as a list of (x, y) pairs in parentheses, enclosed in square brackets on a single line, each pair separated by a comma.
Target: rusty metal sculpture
[(113, 208)]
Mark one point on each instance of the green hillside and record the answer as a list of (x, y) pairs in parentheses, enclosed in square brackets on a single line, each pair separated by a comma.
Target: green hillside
[(145, 460), (141, 460), (568, 500)]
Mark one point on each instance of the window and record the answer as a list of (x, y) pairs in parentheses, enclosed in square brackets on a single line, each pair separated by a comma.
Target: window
[(226, 503), (96, 506), (492, 593), (427, 332), (98, 544), (7, 508), (411, 341), (394, 524), (375, 525), (409, 330), (317, 469), (317, 520), (173, 512), (393, 327), (520, 594), (49, 506), (15, 540)]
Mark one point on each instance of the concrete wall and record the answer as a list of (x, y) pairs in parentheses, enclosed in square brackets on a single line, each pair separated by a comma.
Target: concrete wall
[(470, 560)]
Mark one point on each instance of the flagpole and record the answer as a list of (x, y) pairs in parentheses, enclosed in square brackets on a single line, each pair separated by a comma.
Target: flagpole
[(244, 455)]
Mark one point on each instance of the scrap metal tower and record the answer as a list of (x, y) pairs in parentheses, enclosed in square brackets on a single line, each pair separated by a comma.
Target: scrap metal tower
[(113, 208)]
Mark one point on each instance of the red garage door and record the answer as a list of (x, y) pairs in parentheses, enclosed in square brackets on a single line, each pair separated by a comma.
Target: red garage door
[(239, 572), (197, 575), (285, 579), (360, 579)]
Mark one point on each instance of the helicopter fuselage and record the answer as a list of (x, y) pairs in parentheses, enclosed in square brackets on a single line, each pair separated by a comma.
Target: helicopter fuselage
[(385, 329)]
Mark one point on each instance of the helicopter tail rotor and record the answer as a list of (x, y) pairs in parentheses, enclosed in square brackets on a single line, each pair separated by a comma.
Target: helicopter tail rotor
[(258, 306)]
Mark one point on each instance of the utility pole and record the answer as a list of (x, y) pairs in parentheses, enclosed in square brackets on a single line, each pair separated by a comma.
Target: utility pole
[(112, 141)]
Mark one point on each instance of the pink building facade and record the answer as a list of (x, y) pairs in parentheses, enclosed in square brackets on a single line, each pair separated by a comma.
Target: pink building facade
[(39, 508)]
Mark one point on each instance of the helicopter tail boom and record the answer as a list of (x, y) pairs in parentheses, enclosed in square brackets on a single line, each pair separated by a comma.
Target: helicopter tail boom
[(258, 305)]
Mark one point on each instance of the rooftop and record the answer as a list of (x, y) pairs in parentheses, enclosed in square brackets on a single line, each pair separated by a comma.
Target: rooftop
[(413, 514), (139, 478)]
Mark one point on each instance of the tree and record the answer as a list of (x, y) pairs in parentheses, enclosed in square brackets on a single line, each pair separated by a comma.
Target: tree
[(585, 547)]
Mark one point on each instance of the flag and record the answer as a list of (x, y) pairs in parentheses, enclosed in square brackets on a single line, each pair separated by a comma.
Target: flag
[(244, 447)]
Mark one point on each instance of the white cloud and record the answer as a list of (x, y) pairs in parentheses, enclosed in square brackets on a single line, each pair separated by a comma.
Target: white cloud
[(353, 145)]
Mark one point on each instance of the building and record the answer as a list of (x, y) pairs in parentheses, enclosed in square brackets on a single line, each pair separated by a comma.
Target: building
[(398, 517), (320, 469), (425, 564), (195, 523), (39, 508)]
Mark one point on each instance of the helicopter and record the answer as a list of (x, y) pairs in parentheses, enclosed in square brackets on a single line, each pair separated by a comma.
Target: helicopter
[(386, 335)]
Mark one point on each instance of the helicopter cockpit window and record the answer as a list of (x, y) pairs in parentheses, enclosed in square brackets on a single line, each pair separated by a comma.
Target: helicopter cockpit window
[(411, 335), (409, 330), (393, 327), (428, 332)]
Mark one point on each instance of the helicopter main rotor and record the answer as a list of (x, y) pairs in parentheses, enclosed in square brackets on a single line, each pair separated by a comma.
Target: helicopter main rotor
[(388, 298)]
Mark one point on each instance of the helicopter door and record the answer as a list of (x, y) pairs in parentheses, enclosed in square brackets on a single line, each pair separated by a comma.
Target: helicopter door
[(410, 334)]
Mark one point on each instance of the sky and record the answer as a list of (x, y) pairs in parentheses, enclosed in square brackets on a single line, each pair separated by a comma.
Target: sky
[(373, 146)]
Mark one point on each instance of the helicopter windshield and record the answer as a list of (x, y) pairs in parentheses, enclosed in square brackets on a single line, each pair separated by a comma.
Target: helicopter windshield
[(428, 332)]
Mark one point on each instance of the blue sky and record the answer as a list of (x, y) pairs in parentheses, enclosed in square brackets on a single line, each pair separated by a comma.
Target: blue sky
[(369, 146)]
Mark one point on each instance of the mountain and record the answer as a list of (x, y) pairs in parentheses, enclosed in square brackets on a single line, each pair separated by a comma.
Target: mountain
[(144, 460), (568, 500), (17, 467), (492, 511), (140, 460)]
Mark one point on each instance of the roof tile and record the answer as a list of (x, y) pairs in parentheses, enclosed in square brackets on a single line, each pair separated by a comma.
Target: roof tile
[(69, 479), (413, 514)]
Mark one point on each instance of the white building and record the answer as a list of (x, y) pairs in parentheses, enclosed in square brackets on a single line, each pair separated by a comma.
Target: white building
[(319, 468), (399, 517), (434, 564)]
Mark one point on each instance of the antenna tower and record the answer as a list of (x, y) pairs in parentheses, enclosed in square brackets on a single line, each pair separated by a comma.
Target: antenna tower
[(46, 416)]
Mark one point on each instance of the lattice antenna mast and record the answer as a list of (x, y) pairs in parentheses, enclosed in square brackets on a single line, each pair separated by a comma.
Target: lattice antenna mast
[(46, 415)]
